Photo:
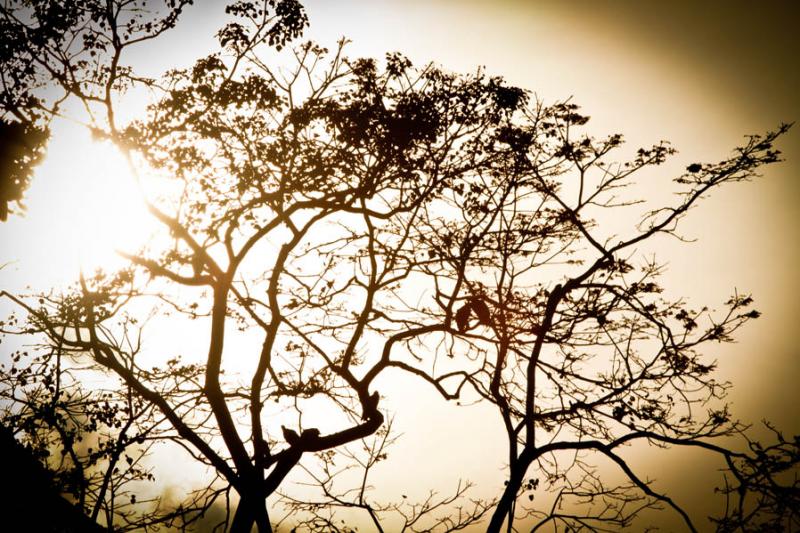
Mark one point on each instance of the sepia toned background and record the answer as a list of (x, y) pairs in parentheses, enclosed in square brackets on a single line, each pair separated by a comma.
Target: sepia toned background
[(700, 76)]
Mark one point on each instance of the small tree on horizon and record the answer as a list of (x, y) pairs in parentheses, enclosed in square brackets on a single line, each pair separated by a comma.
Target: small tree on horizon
[(333, 219)]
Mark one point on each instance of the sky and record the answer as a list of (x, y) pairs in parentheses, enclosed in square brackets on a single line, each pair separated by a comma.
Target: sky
[(700, 75)]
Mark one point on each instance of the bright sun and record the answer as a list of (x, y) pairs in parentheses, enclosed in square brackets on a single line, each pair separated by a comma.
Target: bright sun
[(83, 205)]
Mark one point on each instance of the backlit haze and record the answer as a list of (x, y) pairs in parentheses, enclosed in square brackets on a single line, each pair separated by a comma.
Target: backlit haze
[(699, 76)]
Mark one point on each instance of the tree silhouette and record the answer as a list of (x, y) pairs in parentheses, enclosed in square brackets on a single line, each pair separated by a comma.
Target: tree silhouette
[(21, 148), (332, 219), (94, 441), (300, 192), (566, 330)]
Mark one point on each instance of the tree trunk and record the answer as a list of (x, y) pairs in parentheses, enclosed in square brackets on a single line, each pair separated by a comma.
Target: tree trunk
[(506, 504), (251, 510)]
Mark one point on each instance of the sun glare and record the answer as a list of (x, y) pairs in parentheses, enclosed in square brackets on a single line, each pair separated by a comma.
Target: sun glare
[(83, 206), (112, 215)]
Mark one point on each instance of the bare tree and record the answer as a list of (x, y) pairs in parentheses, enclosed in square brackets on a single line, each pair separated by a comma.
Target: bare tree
[(565, 328)]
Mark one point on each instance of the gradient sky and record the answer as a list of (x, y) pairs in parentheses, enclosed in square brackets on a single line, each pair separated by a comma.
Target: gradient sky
[(701, 76)]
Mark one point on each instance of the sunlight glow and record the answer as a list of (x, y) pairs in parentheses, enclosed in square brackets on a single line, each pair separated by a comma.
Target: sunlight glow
[(112, 214), (83, 206), (649, 82)]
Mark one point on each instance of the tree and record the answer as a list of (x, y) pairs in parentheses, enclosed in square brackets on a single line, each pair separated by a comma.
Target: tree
[(565, 329), (31, 478), (21, 148), (332, 220), (93, 440), (320, 171)]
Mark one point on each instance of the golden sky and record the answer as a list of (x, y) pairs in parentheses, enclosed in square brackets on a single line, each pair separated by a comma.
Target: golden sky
[(701, 76)]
